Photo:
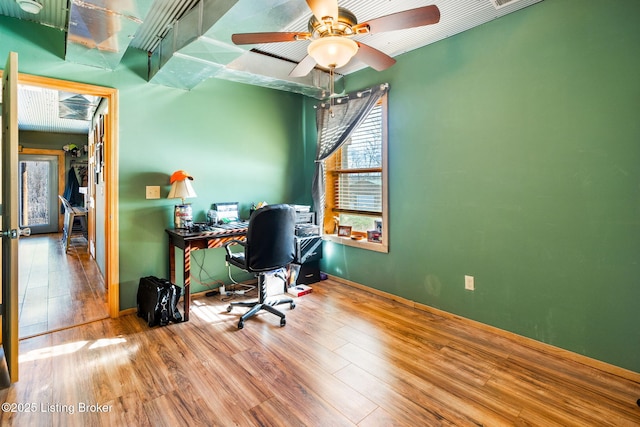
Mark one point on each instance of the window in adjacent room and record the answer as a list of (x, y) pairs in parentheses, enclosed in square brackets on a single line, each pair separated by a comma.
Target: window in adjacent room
[(356, 184)]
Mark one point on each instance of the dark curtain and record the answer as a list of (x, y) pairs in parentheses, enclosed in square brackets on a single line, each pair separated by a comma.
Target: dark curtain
[(335, 123)]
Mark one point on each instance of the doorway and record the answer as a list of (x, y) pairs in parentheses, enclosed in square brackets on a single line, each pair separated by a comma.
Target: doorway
[(108, 212), (57, 288)]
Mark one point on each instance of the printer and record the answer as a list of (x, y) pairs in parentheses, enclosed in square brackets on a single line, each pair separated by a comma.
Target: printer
[(306, 224), (308, 249)]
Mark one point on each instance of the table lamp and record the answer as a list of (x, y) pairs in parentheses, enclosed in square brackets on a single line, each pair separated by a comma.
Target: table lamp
[(181, 189)]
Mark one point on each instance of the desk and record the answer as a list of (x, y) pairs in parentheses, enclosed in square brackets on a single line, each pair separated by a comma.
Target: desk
[(189, 241)]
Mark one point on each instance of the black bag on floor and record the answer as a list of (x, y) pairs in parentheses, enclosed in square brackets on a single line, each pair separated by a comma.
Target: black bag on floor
[(158, 301)]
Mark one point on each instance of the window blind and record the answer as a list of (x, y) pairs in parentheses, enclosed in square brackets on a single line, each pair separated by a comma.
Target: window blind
[(358, 187)]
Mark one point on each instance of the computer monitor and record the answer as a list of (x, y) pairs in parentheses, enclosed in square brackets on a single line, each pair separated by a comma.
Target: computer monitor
[(227, 212)]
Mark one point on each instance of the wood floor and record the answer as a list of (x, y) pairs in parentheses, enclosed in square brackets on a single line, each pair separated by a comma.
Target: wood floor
[(346, 357), (57, 289)]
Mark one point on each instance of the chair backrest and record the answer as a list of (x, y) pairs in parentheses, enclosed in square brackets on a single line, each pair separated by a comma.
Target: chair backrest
[(65, 204), (270, 238)]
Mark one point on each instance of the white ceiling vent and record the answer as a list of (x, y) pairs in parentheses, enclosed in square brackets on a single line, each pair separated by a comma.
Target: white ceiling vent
[(502, 3)]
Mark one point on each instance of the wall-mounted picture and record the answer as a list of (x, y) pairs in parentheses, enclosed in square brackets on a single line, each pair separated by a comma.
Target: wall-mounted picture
[(344, 230), (99, 162)]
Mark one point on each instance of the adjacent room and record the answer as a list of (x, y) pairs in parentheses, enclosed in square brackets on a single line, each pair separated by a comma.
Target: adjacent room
[(463, 180)]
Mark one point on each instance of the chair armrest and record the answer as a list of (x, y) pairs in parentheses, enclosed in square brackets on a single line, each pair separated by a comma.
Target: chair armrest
[(230, 243)]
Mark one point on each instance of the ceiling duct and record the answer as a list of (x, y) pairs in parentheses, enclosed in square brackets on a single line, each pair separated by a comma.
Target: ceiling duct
[(199, 47), (38, 107), (101, 30), (76, 106)]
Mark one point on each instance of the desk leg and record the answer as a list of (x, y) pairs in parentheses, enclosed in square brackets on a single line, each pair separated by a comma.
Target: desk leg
[(172, 261), (187, 280), (186, 298)]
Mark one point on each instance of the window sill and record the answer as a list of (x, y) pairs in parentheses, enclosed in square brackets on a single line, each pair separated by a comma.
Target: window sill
[(362, 244)]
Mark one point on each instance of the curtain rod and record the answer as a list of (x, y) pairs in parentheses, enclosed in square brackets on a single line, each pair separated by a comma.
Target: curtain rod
[(352, 95)]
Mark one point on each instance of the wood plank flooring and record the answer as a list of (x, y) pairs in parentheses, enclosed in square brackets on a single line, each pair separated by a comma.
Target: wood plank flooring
[(56, 289), (345, 358)]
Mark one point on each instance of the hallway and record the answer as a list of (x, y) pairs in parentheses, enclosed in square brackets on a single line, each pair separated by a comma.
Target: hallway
[(57, 290)]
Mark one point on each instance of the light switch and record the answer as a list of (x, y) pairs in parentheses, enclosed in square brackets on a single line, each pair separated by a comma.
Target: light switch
[(153, 191)]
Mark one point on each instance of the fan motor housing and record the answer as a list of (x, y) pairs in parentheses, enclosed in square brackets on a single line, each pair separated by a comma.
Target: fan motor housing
[(342, 27)]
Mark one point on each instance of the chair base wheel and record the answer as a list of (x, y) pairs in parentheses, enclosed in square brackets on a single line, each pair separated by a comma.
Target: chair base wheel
[(229, 309), (240, 324), (282, 322)]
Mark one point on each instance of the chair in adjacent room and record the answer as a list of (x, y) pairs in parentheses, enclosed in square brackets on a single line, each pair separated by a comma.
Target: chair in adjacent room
[(75, 222), (270, 245)]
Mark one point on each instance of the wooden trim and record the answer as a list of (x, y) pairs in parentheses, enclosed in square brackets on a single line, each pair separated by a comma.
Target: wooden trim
[(331, 175), (357, 212), (112, 273), (329, 225), (520, 339), (61, 171), (112, 197), (362, 244), (128, 311), (385, 172), (354, 171)]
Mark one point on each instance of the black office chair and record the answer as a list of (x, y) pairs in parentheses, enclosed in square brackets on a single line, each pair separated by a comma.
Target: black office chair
[(270, 245)]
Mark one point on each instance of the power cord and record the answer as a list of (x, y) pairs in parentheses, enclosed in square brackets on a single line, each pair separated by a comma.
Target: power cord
[(248, 288), (218, 286), (210, 282)]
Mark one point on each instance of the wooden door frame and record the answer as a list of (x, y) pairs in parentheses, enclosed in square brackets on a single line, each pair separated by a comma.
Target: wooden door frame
[(60, 155), (10, 222), (112, 249)]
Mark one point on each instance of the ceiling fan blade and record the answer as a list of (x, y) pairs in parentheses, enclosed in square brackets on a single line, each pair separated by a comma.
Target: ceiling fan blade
[(324, 8), (257, 38), (398, 21), (304, 67), (373, 57)]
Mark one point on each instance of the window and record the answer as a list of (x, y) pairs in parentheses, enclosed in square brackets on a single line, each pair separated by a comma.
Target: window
[(356, 181)]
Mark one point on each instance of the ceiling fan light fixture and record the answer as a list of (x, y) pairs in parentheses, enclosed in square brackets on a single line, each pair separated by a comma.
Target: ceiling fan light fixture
[(30, 6), (332, 51)]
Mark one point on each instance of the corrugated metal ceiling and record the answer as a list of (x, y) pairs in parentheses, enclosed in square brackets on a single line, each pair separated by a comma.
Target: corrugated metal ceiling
[(54, 13), (140, 24), (457, 16)]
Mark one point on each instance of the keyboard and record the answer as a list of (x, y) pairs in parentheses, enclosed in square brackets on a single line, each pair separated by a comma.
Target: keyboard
[(234, 225)]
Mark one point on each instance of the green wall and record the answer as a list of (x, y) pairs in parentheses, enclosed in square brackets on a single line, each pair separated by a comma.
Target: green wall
[(514, 158), (241, 143)]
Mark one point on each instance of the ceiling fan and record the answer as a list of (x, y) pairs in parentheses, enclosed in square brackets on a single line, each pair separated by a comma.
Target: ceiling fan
[(330, 31)]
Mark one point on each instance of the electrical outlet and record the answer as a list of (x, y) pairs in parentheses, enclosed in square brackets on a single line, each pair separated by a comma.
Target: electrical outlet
[(153, 191), (469, 283)]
